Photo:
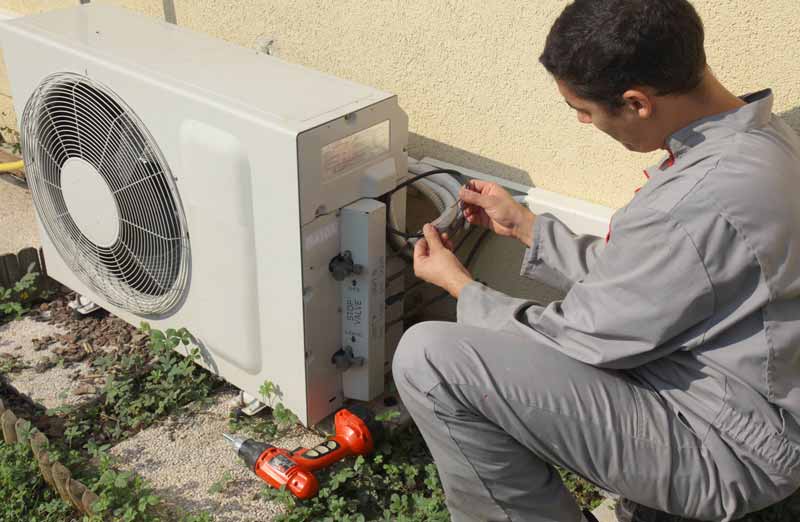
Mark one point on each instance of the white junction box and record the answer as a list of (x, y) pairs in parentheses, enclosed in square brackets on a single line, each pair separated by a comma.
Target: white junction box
[(364, 297), (187, 182)]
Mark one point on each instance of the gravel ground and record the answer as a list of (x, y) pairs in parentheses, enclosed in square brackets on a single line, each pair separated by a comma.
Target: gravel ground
[(17, 217), (55, 349), (183, 457), (51, 388), (605, 511)]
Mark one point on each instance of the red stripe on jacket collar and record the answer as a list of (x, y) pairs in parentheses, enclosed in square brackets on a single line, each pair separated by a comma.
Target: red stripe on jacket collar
[(667, 163)]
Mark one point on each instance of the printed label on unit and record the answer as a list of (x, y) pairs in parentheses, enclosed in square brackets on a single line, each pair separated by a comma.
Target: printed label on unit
[(321, 235), (344, 155), (354, 310)]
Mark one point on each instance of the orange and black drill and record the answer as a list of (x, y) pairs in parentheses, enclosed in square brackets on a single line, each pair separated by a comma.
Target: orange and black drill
[(356, 433)]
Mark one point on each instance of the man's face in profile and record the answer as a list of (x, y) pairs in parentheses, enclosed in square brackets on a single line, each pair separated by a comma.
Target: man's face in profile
[(629, 125)]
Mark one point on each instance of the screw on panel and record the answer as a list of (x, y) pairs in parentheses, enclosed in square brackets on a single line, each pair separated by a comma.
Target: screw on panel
[(266, 44)]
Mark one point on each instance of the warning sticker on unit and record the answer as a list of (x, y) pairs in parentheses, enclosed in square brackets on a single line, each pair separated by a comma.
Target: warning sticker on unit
[(355, 150)]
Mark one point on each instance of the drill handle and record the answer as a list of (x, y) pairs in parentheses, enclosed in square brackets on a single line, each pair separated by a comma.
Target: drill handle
[(322, 455), (277, 467)]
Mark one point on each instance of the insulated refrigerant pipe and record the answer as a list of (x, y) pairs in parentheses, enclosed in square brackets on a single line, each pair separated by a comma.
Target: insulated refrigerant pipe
[(439, 189)]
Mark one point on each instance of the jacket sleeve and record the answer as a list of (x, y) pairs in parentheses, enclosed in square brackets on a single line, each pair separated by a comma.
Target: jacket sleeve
[(638, 301), (558, 257)]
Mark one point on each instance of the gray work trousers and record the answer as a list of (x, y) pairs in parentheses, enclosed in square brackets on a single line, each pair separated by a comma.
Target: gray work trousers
[(496, 411)]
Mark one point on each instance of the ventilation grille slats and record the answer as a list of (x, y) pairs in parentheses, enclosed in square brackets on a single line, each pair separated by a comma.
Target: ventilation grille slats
[(71, 116)]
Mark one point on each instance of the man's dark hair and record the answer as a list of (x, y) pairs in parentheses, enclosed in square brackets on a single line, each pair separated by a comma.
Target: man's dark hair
[(601, 48)]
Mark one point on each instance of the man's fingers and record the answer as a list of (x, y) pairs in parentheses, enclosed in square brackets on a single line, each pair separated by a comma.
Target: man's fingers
[(446, 241), (475, 215), (472, 210), (471, 197), (421, 247), (432, 237), (420, 252), (478, 185)]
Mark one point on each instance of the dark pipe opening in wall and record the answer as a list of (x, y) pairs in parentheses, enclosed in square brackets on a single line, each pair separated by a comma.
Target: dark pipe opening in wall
[(169, 12)]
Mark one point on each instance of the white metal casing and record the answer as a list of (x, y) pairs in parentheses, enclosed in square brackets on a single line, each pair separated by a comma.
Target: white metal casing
[(242, 134)]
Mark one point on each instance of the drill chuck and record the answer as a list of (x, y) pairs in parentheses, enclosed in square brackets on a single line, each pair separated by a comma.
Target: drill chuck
[(248, 450)]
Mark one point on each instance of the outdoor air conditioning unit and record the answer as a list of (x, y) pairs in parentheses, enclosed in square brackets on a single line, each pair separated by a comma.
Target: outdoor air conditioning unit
[(188, 182)]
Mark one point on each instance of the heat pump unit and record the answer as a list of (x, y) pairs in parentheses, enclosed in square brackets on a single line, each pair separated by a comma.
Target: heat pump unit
[(188, 182)]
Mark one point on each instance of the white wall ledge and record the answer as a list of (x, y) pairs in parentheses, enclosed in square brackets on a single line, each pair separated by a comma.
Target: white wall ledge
[(5, 14), (581, 216)]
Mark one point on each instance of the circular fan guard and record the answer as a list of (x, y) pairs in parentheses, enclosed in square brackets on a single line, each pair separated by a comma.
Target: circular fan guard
[(145, 268)]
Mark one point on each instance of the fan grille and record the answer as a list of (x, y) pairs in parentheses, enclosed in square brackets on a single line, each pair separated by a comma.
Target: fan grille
[(145, 268)]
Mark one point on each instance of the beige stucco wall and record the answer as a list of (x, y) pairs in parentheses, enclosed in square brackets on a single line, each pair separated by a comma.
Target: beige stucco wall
[(468, 76)]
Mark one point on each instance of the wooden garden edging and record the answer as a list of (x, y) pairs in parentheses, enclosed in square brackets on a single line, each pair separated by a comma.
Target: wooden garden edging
[(56, 475), (14, 266)]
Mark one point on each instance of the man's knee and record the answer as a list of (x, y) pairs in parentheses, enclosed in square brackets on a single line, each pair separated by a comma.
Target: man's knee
[(410, 351), (411, 359)]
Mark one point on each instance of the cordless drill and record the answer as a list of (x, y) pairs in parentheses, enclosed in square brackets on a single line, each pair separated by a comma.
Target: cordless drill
[(356, 433)]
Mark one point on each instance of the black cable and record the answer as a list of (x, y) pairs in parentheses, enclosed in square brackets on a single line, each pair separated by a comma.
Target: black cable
[(396, 297), (405, 256), (474, 249), (470, 256), (405, 184), (463, 239), (444, 293), (423, 175), (418, 309)]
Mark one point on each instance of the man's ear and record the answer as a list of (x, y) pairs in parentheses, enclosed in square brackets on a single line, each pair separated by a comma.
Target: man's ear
[(638, 101)]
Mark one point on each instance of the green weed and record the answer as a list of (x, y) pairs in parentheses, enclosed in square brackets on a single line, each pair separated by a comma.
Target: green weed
[(141, 386), (14, 301)]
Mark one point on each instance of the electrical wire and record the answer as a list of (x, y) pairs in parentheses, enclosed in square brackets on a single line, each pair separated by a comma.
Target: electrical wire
[(444, 293), (406, 271), (470, 256), (475, 247), (411, 181), (399, 295)]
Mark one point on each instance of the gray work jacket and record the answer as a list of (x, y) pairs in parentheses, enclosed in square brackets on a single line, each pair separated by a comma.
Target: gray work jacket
[(696, 291)]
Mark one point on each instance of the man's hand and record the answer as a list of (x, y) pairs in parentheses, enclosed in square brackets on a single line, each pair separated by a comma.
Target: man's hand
[(489, 205), (435, 263)]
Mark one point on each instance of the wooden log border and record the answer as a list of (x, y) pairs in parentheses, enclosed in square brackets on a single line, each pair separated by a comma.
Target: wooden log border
[(55, 474), (14, 266)]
